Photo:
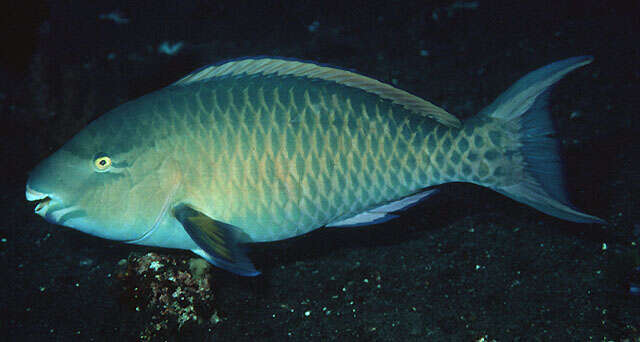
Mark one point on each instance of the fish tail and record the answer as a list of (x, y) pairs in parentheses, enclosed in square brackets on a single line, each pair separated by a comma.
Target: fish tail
[(525, 162)]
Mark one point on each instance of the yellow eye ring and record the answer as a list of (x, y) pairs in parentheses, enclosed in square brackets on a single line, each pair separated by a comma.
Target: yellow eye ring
[(102, 163)]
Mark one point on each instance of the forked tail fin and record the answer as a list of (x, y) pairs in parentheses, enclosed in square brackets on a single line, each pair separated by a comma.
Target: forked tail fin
[(523, 109)]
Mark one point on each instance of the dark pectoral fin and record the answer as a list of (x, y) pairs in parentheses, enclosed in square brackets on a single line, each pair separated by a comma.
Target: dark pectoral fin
[(221, 244)]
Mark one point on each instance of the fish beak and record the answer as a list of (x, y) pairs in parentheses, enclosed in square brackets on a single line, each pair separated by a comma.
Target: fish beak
[(43, 200)]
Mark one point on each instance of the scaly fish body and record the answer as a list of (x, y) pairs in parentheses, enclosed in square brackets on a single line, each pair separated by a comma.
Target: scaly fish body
[(288, 156), (265, 149)]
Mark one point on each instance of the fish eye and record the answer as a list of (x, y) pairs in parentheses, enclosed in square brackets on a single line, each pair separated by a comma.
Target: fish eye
[(102, 163)]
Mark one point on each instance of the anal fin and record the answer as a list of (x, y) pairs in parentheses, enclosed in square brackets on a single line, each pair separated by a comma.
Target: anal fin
[(220, 243), (384, 212)]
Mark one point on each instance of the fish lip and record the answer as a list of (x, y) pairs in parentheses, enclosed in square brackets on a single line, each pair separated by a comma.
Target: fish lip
[(33, 195), (43, 201)]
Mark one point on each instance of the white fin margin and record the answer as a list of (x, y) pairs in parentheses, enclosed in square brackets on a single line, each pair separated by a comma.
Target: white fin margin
[(362, 219), (382, 213)]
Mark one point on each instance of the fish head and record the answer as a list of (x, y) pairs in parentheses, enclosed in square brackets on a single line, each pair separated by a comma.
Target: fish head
[(104, 182)]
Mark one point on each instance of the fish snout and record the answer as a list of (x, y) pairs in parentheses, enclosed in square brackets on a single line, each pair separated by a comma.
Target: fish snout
[(43, 201)]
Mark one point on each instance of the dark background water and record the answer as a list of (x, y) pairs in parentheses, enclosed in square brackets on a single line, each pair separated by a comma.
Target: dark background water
[(467, 265)]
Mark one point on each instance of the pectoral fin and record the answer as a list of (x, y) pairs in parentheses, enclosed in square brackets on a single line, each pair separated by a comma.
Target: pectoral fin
[(220, 243)]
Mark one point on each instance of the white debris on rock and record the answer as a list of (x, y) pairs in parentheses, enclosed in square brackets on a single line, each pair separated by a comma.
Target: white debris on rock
[(155, 265)]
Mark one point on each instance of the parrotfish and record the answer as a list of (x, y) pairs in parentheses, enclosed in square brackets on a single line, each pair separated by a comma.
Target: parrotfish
[(262, 149)]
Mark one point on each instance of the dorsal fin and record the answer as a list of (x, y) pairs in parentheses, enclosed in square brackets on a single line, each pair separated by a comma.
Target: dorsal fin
[(284, 67)]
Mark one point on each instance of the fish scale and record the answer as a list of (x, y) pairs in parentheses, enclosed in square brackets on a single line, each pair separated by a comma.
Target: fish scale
[(461, 154), (288, 165), (335, 182)]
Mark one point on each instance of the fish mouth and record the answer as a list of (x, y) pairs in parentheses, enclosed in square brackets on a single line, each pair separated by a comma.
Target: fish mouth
[(43, 201)]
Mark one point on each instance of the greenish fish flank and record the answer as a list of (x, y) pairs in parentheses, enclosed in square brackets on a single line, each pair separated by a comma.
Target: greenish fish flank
[(264, 149)]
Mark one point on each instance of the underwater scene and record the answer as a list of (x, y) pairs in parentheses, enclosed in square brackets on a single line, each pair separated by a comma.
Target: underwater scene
[(449, 170)]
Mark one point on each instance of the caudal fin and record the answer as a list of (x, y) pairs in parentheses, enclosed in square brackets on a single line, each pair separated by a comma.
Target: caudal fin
[(523, 108)]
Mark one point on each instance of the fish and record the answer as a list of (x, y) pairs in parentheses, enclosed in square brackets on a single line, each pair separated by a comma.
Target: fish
[(260, 149)]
